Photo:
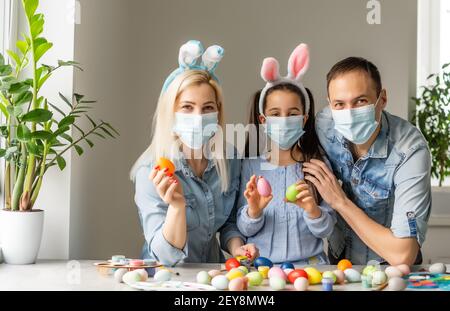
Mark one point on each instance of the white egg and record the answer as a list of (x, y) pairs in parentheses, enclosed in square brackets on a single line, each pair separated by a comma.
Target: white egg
[(437, 268), (301, 284), (396, 284), (162, 276), (277, 283), (143, 273), (131, 277), (393, 271), (118, 274), (220, 282), (340, 276), (203, 277), (352, 276), (379, 278)]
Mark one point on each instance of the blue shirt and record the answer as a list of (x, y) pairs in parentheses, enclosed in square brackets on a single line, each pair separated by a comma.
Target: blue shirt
[(284, 232), (208, 211), (391, 183)]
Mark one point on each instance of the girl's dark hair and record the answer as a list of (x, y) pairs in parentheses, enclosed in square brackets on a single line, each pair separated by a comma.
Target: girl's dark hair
[(309, 142)]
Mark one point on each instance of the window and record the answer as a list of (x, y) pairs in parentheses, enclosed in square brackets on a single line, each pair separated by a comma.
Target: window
[(433, 43)]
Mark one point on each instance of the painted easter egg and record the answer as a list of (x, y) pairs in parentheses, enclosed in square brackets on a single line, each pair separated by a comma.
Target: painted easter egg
[(236, 284), (404, 268), (277, 283), (396, 284), (393, 271), (254, 278), (165, 163), (262, 261), (329, 275), (143, 273), (340, 276), (287, 265), (264, 270), (203, 277), (314, 275), (352, 276), (291, 193), (119, 273), (369, 270), (232, 263), (244, 269), (277, 272), (295, 274), (162, 275), (213, 273), (379, 278), (301, 284), (437, 268), (131, 277), (220, 282), (136, 262), (234, 273), (344, 264), (263, 187)]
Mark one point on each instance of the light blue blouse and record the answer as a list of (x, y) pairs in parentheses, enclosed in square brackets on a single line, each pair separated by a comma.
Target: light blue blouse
[(284, 232), (208, 211)]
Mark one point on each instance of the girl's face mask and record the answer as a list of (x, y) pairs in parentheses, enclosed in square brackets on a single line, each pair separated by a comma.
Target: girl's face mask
[(195, 130), (284, 131)]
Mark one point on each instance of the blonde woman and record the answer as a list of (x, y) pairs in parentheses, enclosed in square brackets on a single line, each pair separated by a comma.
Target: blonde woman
[(182, 213)]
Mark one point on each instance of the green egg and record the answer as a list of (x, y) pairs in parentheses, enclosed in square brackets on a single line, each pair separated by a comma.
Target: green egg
[(255, 278), (291, 193)]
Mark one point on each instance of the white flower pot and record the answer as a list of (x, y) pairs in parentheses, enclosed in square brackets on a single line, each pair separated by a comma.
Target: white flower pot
[(21, 234)]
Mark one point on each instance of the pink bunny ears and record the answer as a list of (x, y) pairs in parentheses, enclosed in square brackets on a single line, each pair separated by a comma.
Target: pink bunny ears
[(297, 66)]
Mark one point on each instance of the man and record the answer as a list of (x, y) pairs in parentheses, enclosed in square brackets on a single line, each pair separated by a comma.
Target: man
[(383, 163)]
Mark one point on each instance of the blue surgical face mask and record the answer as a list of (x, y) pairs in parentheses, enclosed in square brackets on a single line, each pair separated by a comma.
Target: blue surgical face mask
[(356, 125), (195, 130), (284, 131)]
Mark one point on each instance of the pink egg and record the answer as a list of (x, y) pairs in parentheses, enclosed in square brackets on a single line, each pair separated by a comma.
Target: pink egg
[(404, 268), (236, 284), (263, 187), (277, 271), (213, 273), (340, 276)]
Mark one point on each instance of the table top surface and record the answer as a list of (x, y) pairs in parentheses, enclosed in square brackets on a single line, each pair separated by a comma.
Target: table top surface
[(83, 275)]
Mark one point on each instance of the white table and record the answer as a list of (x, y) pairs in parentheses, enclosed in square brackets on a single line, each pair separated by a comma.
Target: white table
[(82, 275)]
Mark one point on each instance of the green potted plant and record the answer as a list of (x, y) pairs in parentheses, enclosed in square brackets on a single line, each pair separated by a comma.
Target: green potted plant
[(35, 135), (433, 119)]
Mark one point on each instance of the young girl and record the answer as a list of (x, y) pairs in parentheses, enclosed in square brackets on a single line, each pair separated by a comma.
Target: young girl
[(285, 231)]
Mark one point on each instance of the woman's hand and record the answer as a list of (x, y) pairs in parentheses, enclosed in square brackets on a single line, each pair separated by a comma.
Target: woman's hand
[(306, 200), (256, 202), (248, 250), (326, 183), (168, 187)]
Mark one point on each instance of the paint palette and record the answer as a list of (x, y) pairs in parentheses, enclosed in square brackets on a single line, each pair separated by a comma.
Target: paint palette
[(106, 267), (426, 280)]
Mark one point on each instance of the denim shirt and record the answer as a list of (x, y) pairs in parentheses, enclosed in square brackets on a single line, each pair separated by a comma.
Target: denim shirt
[(208, 211), (284, 231), (391, 183)]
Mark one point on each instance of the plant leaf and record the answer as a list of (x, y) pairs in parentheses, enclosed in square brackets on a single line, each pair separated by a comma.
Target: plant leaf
[(23, 98), (23, 133), (57, 109), (37, 115), (66, 121), (89, 142), (42, 49), (13, 55), (65, 100), (79, 149), (61, 162), (22, 46), (5, 70), (30, 7), (44, 135)]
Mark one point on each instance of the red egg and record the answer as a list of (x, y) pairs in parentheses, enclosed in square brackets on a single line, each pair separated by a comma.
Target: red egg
[(293, 275), (263, 187), (232, 263)]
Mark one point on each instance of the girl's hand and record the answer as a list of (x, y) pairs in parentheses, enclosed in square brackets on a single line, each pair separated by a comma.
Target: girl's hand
[(248, 250), (168, 187), (306, 200), (256, 202)]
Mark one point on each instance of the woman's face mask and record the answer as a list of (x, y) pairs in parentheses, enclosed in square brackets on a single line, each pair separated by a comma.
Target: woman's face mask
[(357, 124), (284, 131), (195, 130)]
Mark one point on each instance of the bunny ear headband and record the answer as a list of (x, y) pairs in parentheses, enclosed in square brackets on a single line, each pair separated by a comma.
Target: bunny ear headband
[(297, 67), (188, 57)]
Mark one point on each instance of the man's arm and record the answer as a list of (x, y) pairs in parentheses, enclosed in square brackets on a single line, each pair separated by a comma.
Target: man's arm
[(400, 243)]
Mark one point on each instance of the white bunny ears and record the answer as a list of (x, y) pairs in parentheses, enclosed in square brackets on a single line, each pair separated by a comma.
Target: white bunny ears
[(297, 66), (188, 57)]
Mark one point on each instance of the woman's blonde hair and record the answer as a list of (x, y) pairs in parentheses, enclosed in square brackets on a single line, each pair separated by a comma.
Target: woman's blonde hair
[(166, 144)]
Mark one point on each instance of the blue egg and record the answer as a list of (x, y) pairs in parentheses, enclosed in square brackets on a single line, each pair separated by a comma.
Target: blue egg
[(263, 262), (287, 265)]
